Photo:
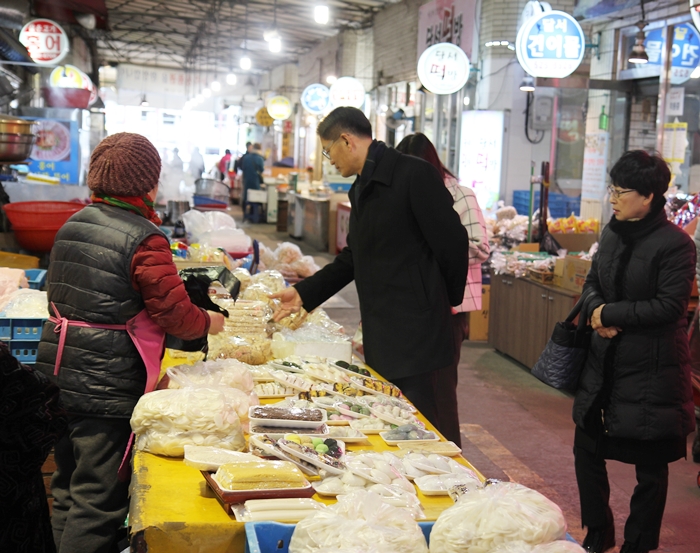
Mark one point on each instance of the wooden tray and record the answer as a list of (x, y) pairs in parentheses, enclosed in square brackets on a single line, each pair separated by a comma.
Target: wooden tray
[(228, 498)]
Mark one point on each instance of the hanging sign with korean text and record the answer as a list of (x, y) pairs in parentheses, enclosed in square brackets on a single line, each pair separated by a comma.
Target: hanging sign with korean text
[(316, 98), (45, 40), (685, 50), (443, 68), (446, 21), (550, 45), (279, 107), (347, 91)]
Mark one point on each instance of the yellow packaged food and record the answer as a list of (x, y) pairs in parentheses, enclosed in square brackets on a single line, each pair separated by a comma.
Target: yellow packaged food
[(259, 475)]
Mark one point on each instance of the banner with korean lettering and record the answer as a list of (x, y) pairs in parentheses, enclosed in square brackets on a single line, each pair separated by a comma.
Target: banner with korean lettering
[(550, 45), (595, 166), (685, 51), (158, 80), (56, 151), (446, 21)]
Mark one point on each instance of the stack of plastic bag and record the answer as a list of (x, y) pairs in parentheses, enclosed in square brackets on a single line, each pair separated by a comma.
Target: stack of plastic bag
[(359, 521), (502, 515), (288, 260), (165, 421)]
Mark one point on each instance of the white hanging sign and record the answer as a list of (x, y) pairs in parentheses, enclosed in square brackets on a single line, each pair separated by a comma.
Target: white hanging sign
[(347, 91), (443, 68), (45, 40), (279, 107), (550, 45), (316, 98)]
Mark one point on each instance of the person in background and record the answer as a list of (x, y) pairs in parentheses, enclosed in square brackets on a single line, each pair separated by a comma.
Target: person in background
[(176, 161), (31, 421), (407, 253), (196, 166), (467, 206), (238, 164), (223, 164), (253, 165), (113, 293), (634, 401)]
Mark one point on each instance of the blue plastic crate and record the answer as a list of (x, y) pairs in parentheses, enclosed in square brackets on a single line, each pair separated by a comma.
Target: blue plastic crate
[(560, 205), (36, 278), (24, 351), (274, 537), (27, 329), (5, 329)]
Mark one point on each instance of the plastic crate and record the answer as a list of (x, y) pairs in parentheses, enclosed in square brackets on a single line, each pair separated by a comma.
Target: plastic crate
[(274, 537), (27, 329), (207, 201), (560, 205), (24, 351), (36, 278), (5, 329)]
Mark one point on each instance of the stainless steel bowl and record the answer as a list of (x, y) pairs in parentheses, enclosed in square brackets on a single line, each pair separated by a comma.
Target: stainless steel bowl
[(14, 125), (16, 146)]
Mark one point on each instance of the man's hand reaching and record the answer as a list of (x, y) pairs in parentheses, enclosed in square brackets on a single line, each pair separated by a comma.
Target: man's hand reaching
[(290, 302)]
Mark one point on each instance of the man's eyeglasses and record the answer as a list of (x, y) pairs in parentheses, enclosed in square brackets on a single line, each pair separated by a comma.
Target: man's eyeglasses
[(615, 193), (327, 153)]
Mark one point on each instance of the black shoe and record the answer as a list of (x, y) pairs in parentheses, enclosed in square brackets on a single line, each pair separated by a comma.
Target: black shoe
[(599, 540), (628, 547)]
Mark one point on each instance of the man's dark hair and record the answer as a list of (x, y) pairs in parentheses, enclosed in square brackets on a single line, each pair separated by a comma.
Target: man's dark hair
[(228, 151), (248, 144), (646, 173), (344, 119)]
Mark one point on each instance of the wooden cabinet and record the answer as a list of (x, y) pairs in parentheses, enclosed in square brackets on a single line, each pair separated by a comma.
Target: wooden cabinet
[(523, 314)]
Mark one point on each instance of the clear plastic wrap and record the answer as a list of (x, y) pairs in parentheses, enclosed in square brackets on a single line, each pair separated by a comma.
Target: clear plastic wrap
[(165, 421), (245, 318), (243, 276), (271, 279), (360, 520), (198, 224), (309, 332), (305, 267), (490, 517), (319, 317), (211, 458), (27, 302), (267, 256), (288, 253), (257, 292), (248, 350), (225, 373), (259, 475)]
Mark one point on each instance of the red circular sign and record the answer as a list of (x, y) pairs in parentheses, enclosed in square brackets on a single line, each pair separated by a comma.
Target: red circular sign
[(45, 40)]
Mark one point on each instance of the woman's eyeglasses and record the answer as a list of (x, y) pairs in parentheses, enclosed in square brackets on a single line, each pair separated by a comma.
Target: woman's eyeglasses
[(615, 193)]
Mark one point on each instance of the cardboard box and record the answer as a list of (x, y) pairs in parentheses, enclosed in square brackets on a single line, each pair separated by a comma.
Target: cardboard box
[(479, 320), (575, 272), (575, 242), (528, 247)]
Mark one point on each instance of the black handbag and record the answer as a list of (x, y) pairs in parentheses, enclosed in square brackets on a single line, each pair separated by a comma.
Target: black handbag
[(562, 360)]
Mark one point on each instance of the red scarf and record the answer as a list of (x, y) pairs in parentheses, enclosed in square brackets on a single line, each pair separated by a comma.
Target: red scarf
[(143, 206)]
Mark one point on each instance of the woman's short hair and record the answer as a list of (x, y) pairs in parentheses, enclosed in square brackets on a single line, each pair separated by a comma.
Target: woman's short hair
[(644, 172), (344, 119)]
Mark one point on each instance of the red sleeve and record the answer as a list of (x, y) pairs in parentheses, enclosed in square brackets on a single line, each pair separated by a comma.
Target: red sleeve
[(154, 274)]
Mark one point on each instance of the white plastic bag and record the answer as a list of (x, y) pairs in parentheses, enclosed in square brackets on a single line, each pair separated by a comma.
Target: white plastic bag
[(27, 302), (165, 421), (483, 520), (218, 373), (360, 520)]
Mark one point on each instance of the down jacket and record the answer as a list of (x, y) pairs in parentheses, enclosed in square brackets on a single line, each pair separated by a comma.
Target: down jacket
[(643, 273), (93, 278)]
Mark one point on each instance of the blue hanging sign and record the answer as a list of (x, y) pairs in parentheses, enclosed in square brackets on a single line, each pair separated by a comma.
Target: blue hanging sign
[(685, 50), (551, 45), (316, 98)]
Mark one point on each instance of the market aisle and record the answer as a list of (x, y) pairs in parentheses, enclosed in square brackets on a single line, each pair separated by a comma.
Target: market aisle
[(515, 427)]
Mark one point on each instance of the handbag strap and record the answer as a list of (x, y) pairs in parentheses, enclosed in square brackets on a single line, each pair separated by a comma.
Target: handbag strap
[(578, 308)]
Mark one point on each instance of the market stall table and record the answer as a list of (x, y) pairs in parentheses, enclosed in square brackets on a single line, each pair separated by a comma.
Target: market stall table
[(173, 511)]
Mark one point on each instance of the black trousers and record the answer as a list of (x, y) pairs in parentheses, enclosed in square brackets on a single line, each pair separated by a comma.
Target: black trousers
[(647, 505), (419, 389), (90, 503)]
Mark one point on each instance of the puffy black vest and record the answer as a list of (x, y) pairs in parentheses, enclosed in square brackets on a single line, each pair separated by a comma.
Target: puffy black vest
[(89, 279)]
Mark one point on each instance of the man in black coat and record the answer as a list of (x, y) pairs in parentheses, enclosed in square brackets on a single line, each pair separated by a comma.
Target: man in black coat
[(407, 252)]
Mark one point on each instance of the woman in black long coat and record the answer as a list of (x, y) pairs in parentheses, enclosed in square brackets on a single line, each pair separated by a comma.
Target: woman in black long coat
[(634, 403)]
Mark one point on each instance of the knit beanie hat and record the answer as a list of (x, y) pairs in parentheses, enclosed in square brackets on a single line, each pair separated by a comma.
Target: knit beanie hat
[(124, 164)]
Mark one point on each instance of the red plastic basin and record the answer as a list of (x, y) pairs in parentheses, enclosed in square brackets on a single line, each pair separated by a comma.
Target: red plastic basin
[(36, 223)]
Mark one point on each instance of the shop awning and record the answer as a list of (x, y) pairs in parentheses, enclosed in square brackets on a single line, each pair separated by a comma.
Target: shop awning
[(63, 11)]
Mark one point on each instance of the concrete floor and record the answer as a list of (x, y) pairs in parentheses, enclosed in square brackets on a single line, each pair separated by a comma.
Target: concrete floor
[(516, 428)]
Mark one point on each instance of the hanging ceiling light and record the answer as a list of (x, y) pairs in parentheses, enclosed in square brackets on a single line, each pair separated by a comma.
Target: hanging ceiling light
[(321, 15), (215, 86), (231, 79), (330, 79), (639, 53), (144, 102), (527, 84), (275, 44), (246, 63)]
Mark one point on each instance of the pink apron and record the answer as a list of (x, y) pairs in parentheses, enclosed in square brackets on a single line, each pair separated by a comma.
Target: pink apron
[(149, 339)]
